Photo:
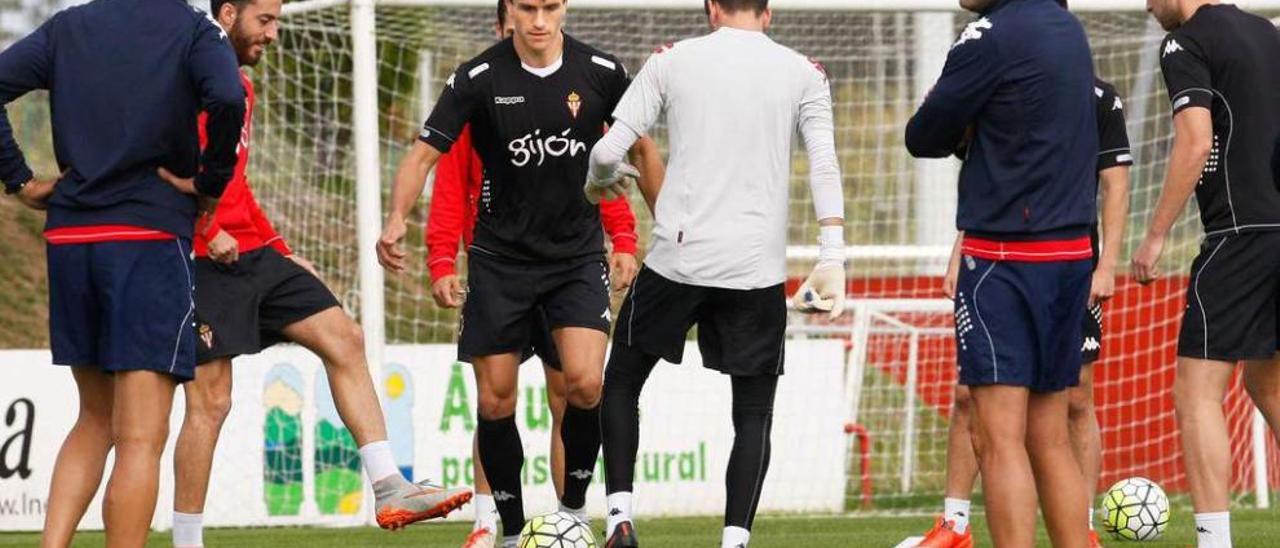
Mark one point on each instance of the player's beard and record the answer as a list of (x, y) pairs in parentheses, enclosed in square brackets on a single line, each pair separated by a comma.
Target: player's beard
[(245, 47)]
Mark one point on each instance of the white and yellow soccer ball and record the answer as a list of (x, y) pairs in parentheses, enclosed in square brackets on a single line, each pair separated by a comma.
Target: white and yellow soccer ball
[(558, 530), (1135, 509)]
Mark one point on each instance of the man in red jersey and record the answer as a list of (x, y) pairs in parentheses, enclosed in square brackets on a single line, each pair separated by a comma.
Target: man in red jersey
[(253, 292), (456, 195)]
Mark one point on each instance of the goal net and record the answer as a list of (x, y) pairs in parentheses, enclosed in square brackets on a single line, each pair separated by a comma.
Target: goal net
[(895, 361)]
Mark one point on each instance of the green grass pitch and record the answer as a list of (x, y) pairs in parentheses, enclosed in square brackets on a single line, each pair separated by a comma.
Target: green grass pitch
[(1251, 528)]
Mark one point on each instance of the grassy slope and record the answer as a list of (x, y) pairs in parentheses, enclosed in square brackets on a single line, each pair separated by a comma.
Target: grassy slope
[(1251, 528)]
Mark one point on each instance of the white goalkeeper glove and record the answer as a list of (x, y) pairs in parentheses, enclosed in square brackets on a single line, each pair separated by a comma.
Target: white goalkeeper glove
[(609, 182), (823, 290)]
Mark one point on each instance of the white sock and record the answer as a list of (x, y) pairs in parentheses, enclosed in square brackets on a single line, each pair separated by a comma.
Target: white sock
[(188, 530), (1213, 530), (378, 461), (511, 541), (956, 510), (619, 511), (734, 537), (1090, 517), (486, 512), (580, 513)]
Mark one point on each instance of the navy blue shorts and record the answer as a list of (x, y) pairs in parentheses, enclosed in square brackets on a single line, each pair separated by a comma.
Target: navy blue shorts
[(123, 306), (1020, 323)]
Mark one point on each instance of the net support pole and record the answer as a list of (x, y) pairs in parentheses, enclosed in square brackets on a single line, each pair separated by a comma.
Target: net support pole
[(935, 187), (1261, 485), (364, 94)]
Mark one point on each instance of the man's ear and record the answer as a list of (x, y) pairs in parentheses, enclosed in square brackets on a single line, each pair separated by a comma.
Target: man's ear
[(227, 14)]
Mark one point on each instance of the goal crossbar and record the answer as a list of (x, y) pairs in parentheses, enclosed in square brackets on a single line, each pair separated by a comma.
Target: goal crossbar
[(842, 5)]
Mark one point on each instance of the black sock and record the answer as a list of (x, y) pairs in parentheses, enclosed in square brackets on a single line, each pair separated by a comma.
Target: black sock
[(749, 461), (620, 414), (502, 456), (581, 435)]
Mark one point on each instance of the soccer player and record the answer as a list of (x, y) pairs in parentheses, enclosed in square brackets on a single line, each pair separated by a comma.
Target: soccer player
[(252, 292), (718, 251), (951, 529), (1222, 69), (459, 175), (1022, 73), (536, 103), (131, 76)]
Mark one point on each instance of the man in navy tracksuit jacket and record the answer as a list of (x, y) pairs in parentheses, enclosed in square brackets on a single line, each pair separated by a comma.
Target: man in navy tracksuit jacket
[(126, 80), (1018, 90)]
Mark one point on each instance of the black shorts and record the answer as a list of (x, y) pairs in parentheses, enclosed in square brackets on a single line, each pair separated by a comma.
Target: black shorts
[(1233, 299), (242, 308), (740, 332), (541, 344), (506, 300), (1091, 350)]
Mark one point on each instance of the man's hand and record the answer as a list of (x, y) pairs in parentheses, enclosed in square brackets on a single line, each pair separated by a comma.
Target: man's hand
[(952, 278), (223, 248), (184, 185), (390, 253), (823, 291), (448, 291), (623, 268), (1146, 261), (1103, 286), (35, 194), (305, 264), (608, 183)]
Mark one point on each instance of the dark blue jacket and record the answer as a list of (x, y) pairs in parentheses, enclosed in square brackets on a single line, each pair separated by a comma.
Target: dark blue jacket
[(127, 80), (1022, 74)]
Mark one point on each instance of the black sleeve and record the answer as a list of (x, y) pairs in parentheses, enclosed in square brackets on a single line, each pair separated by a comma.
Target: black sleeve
[(216, 74), (1186, 73), (1113, 136), (458, 102), (615, 85)]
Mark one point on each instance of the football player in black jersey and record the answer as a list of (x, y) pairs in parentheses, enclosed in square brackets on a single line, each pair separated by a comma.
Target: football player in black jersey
[(1222, 69), (536, 103)]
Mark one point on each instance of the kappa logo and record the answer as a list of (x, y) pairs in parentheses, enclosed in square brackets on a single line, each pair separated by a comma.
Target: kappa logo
[(519, 99), (452, 78), (1118, 105), (973, 31), (1171, 47), (581, 474), (503, 496), (615, 512), (1090, 344), (606, 316)]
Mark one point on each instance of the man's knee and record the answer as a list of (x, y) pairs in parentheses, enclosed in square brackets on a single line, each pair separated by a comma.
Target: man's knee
[(495, 405), (1080, 403), (583, 390), (208, 408), (140, 436)]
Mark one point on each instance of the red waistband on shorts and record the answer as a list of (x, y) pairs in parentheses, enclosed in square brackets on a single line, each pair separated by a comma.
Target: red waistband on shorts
[(1044, 251), (103, 233)]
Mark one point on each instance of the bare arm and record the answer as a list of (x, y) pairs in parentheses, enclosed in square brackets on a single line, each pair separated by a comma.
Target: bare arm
[(1115, 212), (411, 179), (648, 159), (1192, 142)]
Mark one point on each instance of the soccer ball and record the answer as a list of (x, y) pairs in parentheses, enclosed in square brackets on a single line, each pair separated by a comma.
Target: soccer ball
[(558, 530), (1136, 509)]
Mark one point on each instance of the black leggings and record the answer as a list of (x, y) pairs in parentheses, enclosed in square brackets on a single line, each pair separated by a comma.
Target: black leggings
[(625, 377)]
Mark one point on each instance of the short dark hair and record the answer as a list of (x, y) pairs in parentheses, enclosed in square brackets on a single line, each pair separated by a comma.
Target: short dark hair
[(216, 5), (731, 6), (502, 13)]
